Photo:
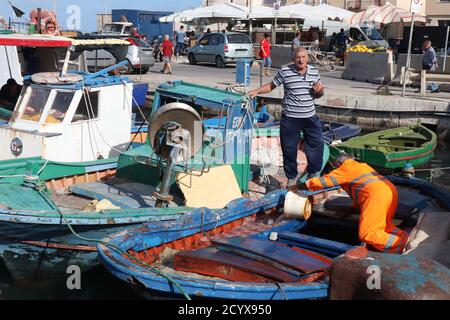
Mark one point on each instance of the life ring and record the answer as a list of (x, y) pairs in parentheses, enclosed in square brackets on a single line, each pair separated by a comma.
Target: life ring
[(3, 23), (50, 23)]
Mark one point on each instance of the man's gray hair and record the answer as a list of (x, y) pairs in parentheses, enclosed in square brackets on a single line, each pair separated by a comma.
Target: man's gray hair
[(341, 158), (299, 49)]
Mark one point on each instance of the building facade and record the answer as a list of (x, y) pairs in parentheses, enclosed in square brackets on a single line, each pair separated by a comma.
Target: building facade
[(438, 11)]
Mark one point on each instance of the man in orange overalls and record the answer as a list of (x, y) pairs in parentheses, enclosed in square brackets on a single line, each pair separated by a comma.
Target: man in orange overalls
[(374, 195)]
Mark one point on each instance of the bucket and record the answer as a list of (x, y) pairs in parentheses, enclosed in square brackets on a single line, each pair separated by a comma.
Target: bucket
[(297, 206)]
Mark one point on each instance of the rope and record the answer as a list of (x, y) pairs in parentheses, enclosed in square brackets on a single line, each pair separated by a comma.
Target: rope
[(432, 169), (107, 244)]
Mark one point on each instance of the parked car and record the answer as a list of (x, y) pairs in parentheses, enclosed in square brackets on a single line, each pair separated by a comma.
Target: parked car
[(221, 49), (140, 53)]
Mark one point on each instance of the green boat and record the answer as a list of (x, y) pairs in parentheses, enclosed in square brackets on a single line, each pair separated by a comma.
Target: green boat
[(393, 148)]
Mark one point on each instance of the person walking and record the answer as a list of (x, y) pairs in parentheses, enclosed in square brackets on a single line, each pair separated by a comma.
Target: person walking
[(264, 53), (180, 38), (341, 44), (374, 195), (332, 44), (301, 87), (167, 51), (429, 62)]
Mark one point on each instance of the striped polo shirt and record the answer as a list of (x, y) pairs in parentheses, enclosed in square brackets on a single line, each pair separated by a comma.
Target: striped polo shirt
[(298, 101)]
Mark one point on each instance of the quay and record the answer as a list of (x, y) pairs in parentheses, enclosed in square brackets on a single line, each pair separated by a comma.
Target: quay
[(344, 100)]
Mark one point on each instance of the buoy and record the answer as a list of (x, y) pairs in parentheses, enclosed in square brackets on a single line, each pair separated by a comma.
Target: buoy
[(297, 206)]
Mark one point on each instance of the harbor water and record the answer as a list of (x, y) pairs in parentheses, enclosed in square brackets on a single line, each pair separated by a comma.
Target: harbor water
[(99, 284)]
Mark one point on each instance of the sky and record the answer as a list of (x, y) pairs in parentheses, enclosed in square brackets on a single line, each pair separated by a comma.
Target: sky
[(90, 8)]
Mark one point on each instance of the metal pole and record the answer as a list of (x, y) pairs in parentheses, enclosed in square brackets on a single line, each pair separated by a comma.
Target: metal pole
[(446, 47), (274, 32), (408, 58), (250, 20)]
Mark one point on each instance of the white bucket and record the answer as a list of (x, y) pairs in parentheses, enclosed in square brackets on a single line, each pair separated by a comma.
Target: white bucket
[(297, 206)]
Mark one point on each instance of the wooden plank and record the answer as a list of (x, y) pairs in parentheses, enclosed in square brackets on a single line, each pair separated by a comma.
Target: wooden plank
[(213, 262), (300, 239), (126, 195), (276, 254), (214, 189)]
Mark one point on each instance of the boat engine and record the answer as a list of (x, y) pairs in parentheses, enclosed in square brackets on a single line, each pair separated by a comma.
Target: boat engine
[(176, 135)]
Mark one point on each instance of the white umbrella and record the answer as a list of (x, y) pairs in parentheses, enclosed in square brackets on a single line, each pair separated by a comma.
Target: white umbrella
[(386, 14), (301, 11), (178, 16), (218, 11), (261, 12), (333, 13)]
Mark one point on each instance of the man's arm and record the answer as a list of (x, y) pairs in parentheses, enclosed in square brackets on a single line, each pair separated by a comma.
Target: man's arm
[(268, 87)]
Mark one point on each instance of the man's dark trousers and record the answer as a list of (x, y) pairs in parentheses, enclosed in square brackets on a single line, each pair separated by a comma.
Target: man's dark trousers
[(290, 139)]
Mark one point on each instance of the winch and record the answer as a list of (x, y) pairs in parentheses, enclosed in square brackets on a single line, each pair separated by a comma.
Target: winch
[(176, 134)]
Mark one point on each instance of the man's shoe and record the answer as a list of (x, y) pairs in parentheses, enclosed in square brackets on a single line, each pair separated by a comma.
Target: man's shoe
[(435, 91), (313, 175)]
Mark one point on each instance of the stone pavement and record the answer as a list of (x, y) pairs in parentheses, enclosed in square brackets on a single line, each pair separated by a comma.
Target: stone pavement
[(334, 85), (344, 100)]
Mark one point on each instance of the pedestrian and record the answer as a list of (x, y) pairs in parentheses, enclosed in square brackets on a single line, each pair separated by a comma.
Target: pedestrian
[(264, 53), (9, 94), (301, 87), (341, 43), (168, 51), (208, 31), (295, 43), (374, 195), (332, 44), (429, 62), (180, 38)]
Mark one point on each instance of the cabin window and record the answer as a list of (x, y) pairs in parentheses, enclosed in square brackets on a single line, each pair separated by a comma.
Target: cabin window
[(35, 105), (60, 106), (88, 107)]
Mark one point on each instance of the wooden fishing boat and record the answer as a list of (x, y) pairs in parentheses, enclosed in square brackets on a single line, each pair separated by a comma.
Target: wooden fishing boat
[(249, 251), (36, 241), (393, 148)]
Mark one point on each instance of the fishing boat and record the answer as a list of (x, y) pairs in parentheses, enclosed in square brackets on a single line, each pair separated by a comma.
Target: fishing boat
[(61, 124), (159, 180), (251, 251), (393, 148)]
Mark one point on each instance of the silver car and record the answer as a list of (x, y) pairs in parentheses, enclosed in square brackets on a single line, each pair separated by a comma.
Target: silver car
[(221, 49), (139, 54)]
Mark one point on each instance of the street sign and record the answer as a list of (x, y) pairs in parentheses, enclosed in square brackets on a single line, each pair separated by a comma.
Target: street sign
[(416, 6), (277, 7)]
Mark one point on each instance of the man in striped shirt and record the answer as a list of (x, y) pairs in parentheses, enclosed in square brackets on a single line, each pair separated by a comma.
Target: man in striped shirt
[(301, 87)]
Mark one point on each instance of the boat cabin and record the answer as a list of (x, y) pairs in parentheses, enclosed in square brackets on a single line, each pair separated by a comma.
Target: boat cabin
[(83, 121)]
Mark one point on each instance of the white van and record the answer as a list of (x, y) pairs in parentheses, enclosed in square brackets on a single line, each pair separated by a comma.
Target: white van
[(359, 33)]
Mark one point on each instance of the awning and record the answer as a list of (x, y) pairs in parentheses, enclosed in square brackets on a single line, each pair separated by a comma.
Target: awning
[(23, 40)]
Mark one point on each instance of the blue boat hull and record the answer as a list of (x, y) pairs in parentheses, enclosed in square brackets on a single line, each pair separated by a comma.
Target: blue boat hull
[(151, 284)]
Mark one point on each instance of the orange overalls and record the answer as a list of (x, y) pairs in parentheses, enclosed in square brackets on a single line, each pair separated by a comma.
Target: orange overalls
[(377, 199)]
